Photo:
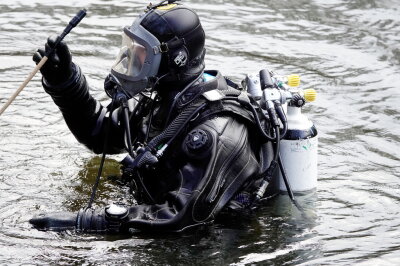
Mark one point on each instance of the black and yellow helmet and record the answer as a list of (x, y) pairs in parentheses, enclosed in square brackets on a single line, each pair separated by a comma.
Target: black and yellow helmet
[(167, 41)]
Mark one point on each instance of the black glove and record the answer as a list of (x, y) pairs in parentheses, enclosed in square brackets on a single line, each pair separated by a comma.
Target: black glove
[(105, 220), (58, 68), (59, 221)]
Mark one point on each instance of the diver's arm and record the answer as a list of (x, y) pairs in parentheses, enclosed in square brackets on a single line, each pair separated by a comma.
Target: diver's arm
[(84, 115)]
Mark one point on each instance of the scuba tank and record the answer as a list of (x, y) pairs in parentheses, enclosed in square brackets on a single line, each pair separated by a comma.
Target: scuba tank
[(299, 151), (299, 140)]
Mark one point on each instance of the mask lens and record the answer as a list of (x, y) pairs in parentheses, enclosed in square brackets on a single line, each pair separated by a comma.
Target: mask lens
[(131, 57)]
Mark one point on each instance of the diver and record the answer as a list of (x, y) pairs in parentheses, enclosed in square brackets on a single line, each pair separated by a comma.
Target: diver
[(193, 150)]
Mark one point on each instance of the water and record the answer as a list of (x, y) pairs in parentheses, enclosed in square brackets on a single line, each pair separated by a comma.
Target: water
[(348, 50)]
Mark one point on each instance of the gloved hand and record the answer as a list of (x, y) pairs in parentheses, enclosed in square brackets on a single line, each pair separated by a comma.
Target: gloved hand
[(86, 220), (59, 67), (58, 221)]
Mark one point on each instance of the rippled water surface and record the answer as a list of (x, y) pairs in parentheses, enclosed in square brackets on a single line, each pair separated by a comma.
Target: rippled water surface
[(348, 50)]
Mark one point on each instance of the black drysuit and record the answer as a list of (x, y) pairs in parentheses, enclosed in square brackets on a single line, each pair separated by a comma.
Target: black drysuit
[(212, 164)]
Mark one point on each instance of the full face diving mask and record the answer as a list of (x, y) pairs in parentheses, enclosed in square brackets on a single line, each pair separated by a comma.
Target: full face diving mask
[(138, 60)]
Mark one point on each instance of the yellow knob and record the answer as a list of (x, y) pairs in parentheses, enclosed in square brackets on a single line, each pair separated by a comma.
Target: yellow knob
[(293, 80), (310, 95)]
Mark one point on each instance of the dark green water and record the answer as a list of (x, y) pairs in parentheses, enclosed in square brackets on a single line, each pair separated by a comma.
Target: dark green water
[(349, 51)]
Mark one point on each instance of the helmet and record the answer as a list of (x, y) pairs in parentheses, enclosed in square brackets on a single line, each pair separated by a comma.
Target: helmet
[(167, 41)]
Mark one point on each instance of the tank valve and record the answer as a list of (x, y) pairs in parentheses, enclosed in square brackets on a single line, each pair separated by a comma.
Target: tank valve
[(297, 100)]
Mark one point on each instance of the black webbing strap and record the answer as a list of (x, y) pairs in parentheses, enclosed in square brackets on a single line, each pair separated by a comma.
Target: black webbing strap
[(232, 84)]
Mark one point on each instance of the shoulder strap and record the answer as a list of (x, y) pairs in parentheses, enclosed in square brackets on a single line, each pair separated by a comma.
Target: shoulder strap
[(225, 101), (232, 84)]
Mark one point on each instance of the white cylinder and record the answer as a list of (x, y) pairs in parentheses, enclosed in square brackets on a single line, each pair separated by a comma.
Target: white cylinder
[(299, 152)]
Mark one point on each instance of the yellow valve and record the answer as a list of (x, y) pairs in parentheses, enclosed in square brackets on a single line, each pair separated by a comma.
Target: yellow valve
[(293, 80), (310, 95)]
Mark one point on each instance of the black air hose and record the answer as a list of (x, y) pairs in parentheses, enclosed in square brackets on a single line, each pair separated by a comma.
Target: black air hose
[(167, 136), (254, 112), (176, 125)]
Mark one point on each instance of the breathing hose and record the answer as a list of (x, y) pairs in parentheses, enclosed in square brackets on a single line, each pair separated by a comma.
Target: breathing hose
[(255, 115), (167, 136), (123, 101), (103, 157), (268, 173)]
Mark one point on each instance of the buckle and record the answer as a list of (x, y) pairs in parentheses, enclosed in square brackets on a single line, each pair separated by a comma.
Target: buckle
[(163, 48)]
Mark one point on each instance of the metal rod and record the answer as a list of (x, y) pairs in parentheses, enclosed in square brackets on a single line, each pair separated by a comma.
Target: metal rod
[(23, 85), (74, 21)]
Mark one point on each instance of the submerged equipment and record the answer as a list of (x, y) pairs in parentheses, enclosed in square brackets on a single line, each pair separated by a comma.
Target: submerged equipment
[(73, 23)]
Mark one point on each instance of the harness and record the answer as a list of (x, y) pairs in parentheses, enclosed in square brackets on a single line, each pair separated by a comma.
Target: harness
[(208, 104)]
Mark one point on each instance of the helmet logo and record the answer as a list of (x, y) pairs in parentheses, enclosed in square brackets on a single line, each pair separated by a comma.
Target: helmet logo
[(180, 59)]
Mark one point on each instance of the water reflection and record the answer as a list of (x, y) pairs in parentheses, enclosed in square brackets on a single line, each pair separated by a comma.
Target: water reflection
[(276, 233), (109, 190)]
